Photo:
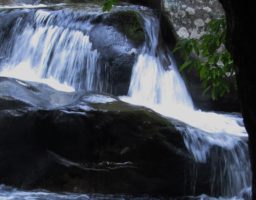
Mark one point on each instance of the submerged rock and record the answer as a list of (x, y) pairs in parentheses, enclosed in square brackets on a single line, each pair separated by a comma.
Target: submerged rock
[(95, 143)]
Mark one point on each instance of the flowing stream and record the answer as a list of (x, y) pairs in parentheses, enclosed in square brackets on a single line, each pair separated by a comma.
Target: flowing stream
[(46, 50), (53, 47), (161, 88)]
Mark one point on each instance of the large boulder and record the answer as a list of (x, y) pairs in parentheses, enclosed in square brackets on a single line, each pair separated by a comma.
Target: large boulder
[(119, 45), (86, 145), (95, 143)]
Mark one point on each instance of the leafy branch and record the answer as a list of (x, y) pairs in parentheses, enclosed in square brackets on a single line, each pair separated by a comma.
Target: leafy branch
[(209, 57)]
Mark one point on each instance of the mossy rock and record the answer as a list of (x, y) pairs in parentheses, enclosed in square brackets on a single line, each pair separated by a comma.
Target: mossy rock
[(128, 23)]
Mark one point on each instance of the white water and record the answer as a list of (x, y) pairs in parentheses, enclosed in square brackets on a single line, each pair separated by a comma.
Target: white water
[(8, 193), (164, 91), (157, 84), (28, 6), (49, 52), (52, 54), (53, 50)]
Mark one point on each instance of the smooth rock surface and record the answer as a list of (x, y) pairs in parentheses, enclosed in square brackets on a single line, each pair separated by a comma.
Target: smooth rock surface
[(95, 143)]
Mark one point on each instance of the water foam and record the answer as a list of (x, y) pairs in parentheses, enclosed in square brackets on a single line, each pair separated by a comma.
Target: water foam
[(52, 54)]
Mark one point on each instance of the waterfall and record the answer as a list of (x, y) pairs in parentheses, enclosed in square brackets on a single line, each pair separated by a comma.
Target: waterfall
[(154, 85), (157, 84), (160, 87), (53, 47), (48, 51)]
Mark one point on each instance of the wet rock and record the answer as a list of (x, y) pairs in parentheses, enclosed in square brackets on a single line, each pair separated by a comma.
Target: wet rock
[(95, 143), (115, 47), (115, 58), (132, 28), (92, 147)]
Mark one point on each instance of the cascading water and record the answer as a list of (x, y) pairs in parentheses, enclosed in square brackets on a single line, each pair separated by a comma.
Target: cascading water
[(53, 47), (157, 84), (152, 85), (164, 91), (49, 51)]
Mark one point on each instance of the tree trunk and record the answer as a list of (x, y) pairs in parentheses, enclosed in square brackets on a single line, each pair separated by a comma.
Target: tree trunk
[(240, 22)]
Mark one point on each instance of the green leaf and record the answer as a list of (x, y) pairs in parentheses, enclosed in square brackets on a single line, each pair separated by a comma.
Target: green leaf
[(176, 49), (185, 65), (108, 4), (206, 89), (203, 73)]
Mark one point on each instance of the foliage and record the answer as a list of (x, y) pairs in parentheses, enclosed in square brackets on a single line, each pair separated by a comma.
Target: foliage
[(108, 4), (209, 57)]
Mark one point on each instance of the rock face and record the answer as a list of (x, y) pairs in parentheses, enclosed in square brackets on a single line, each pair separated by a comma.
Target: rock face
[(119, 45), (94, 143), (189, 17)]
